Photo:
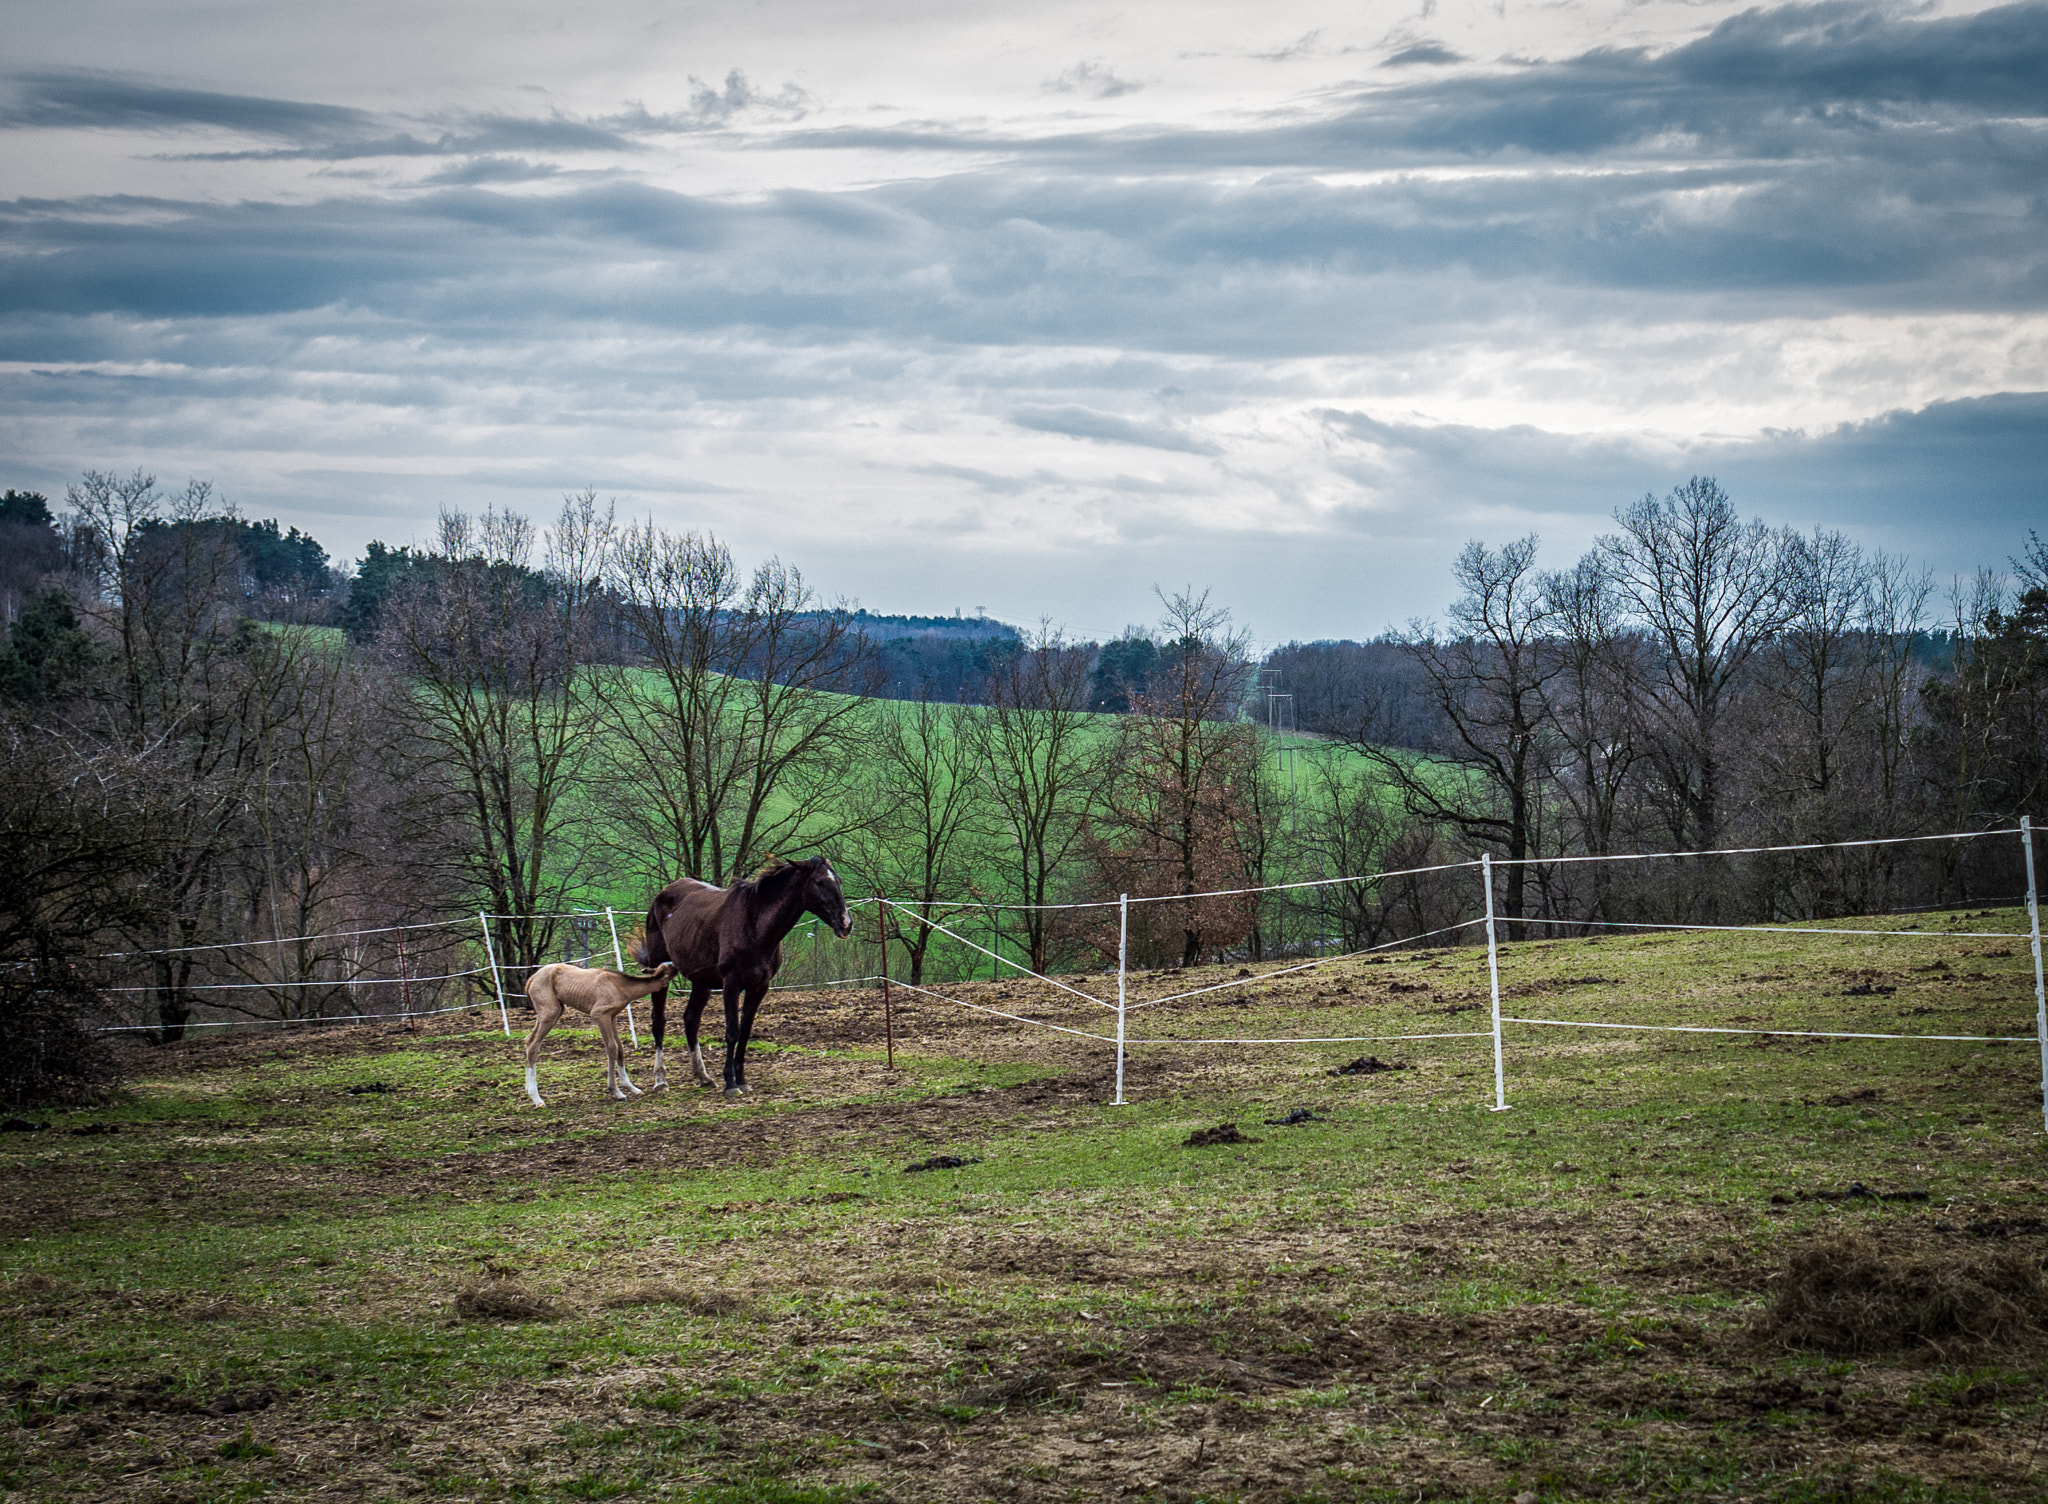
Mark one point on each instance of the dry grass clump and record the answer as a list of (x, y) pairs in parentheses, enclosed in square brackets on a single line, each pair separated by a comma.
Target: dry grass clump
[(657, 1292), (1847, 1295), (649, 1292), (504, 1301)]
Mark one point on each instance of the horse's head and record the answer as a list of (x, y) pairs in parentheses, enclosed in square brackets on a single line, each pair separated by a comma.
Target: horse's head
[(824, 898)]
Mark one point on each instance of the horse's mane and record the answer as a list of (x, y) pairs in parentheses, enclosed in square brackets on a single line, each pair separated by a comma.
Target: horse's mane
[(774, 872)]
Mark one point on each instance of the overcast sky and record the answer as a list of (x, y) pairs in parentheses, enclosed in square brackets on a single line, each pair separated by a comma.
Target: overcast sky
[(1033, 307)]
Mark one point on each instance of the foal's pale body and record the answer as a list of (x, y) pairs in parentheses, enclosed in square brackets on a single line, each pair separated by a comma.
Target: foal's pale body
[(604, 995)]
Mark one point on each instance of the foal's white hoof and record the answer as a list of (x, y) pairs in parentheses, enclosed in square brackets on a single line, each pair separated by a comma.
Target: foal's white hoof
[(735, 1091), (536, 1099), (634, 1090)]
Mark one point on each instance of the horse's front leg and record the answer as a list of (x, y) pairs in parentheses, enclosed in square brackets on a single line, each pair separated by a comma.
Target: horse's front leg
[(660, 1028), (754, 996), (735, 1042), (693, 1015)]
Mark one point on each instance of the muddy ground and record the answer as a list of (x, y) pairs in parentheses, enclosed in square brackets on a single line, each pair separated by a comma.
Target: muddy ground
[(251, 1288)]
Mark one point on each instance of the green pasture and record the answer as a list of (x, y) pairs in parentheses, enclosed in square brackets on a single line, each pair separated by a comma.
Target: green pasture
[(358, 1265)]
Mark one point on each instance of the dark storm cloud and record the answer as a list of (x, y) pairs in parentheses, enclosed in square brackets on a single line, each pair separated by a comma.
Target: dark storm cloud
[(1979, 466)]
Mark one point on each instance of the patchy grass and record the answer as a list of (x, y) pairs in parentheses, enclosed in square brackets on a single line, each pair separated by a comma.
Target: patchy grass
[(265, 1286)]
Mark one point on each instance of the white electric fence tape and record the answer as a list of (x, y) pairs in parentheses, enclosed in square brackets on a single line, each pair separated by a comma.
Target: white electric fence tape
[(1581, 1023), (1174, 997), (1121, 1041)]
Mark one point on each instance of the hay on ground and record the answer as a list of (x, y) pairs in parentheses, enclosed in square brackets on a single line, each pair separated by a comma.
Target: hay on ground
[(504, 1301), (650, 1292), (1847, 1295), (658, 1292)]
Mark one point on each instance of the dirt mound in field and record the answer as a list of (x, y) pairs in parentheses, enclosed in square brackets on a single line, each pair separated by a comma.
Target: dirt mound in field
[(1222, 1133), (504, 1301), (1847, 1295)]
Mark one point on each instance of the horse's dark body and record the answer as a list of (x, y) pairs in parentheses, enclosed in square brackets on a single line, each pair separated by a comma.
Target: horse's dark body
[(731, 938)]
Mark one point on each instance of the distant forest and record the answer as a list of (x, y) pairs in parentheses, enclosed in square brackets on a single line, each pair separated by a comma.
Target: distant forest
[(214, 736)]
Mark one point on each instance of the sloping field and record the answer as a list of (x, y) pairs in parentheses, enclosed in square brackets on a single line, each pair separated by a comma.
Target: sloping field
[(359, 1266)]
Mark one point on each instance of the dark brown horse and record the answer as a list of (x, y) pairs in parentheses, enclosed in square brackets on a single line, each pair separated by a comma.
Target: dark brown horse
[(732, 938)]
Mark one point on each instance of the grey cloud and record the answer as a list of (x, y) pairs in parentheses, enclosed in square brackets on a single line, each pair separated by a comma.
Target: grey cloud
[(1975, 464), (1421, 52), (738, 97), (320, 132), (107, 101), (1091, 77), (995, 485), (1108, 428), (492, 170)]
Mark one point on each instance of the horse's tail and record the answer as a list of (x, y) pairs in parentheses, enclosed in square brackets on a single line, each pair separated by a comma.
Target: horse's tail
[(649, 949)]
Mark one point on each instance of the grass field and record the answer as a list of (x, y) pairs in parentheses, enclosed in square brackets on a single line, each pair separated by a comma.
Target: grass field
[(357, 1266)]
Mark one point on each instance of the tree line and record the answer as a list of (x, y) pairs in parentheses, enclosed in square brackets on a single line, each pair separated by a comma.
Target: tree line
[(1701, 682), (215, 738)]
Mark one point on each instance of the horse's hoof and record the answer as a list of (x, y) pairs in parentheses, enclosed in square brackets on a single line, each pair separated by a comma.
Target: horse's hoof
[(735, 1091)]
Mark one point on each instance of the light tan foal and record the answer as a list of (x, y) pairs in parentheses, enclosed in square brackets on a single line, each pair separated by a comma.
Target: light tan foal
[(604, 995)]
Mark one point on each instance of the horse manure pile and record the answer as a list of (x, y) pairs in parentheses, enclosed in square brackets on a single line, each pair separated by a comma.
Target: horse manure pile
[(1366, 1065), (1222, 1133), (1296, 1117), (1847, 1295), (939, 1162)]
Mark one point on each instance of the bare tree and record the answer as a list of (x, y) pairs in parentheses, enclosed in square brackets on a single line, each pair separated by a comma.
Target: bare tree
[(184, 690), (735, 734), (1033, 737), (1590, 703), (1711, 590), (490, 719), (303, 859), (1178, 795), (925, 844), (1488, 759)]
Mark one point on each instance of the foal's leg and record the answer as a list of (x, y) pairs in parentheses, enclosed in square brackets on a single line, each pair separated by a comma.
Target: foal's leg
[(693, 1014), (546, 1011), (607, 1016)]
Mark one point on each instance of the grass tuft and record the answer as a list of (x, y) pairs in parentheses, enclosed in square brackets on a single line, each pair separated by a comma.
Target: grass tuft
[(1845, 1294)]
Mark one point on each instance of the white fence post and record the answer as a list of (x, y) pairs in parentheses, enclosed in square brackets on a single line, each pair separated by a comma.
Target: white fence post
[(497, 981), (619, 956), (1123, 946), (1500, 1083), (2040, 990)]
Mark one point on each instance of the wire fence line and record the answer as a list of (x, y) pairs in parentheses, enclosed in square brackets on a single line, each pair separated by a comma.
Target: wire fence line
[(1123, 1040)]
